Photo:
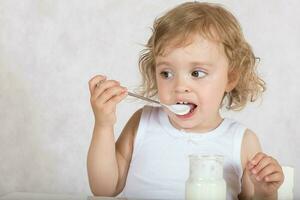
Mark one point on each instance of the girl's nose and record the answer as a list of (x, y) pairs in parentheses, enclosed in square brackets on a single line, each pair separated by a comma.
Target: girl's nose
[(181, 85)]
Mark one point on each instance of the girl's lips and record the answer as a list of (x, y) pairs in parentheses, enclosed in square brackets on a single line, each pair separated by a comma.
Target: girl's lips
[(190, 104), (190, 114)]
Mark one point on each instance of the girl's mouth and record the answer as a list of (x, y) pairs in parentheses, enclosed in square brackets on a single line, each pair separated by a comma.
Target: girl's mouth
[(190, 113)]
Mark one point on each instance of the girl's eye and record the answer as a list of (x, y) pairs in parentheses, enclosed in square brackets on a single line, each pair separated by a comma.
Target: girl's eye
[(198, 74), (166, 74)]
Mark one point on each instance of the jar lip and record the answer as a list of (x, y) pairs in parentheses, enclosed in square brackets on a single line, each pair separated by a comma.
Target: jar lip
[(207, 156)]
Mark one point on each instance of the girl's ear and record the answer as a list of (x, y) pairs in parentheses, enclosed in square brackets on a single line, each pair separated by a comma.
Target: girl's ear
[(233, 79)]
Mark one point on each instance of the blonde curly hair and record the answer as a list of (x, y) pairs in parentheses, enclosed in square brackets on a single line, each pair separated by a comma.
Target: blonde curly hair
[(213, 22)]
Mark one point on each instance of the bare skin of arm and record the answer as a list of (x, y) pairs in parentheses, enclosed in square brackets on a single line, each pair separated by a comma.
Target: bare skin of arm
[(250, 147), (262, 174), (108, 161)]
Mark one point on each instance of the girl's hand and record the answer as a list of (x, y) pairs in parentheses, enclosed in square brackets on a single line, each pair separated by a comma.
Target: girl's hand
[(105, 95), (266, 175)]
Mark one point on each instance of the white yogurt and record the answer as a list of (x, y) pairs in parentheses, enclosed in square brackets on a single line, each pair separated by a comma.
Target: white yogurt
[(206, 180)]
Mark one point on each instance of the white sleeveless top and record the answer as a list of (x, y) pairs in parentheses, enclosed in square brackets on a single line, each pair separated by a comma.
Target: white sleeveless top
[(160, 163)]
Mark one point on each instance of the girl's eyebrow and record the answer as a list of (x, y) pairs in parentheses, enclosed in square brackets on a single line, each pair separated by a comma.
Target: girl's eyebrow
[(196, 63), (163, 63), (191, 64)]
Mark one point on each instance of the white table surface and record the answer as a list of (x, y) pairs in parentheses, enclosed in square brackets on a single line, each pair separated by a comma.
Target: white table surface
[(43, 196)]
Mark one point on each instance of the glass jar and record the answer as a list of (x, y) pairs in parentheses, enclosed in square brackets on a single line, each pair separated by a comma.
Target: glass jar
[(206, 178)]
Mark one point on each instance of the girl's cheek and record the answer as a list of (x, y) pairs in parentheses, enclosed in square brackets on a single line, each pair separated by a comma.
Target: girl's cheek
[(164, 94)]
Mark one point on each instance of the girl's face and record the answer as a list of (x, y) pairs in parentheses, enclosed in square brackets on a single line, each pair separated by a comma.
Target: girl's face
[(196, 74)]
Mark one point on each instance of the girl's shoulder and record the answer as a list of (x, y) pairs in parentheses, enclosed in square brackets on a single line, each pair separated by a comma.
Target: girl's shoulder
[(124, 144), (133, 123), (250, 146)]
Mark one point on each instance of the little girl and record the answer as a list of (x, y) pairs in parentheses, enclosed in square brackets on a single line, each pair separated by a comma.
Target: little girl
[(197, 55)]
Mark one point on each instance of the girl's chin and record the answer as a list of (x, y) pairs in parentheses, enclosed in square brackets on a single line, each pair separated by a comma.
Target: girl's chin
[(182, 124)]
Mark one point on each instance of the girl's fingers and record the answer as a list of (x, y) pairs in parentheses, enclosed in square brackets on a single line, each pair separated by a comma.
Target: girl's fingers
[(116, 99), (255, 160), (110, 93), (93, 82), (101, 87), (261, 165), (250, 165), (275, 177), (267, 170)]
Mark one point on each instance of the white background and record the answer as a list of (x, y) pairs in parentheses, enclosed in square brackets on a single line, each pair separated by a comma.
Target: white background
[(49, 49)]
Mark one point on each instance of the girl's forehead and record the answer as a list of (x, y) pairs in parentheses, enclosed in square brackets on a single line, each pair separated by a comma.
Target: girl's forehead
[(196, 45)]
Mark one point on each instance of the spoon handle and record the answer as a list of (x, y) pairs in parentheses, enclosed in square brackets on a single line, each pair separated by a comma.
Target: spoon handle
[(143, 98)]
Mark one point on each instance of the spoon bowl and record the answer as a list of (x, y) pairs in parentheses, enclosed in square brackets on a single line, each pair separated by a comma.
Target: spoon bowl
[(179, 109)]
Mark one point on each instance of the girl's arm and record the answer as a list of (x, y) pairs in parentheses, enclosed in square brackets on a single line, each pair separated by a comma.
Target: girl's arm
[(107, 162), (250, 147), (102, 162), (262, 174)]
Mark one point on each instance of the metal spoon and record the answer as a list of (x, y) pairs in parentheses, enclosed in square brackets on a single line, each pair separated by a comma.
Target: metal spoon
[(179, 109)]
